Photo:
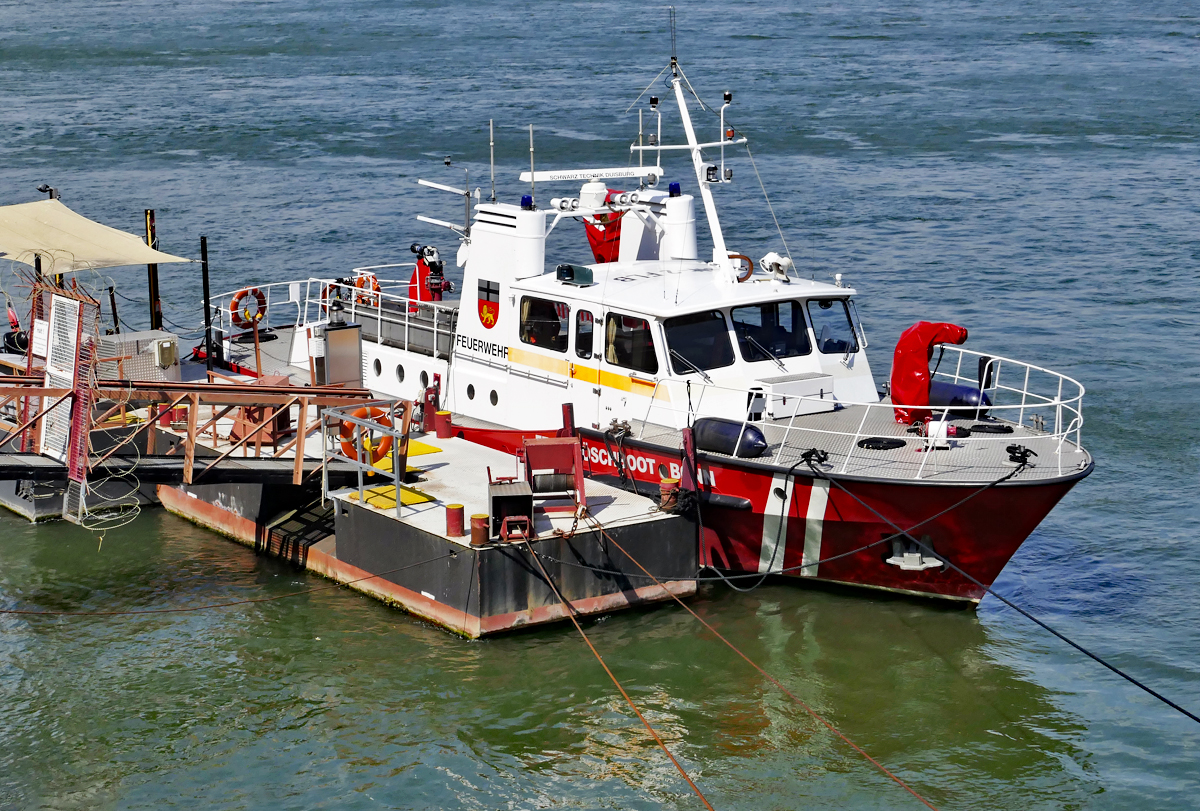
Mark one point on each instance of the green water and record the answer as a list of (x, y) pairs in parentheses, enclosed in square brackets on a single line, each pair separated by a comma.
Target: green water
[(331, 699), (1024, 168)]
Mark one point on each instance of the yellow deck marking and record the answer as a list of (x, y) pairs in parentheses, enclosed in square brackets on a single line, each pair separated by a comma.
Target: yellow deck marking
[(384, 498), (416, 448)]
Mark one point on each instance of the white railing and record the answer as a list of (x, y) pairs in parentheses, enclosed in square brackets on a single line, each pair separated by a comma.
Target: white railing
[(363, 430), (305, 303), (1052, 401)]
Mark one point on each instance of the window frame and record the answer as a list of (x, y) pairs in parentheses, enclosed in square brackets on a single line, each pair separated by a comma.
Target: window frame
[(591, 334), (687, 370), (805, 330), (649, 330), (563, 338), (845, 302)]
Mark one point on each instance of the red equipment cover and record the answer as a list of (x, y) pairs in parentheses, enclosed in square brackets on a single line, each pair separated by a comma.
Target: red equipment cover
[(418, 285), (910, 366), (604, 235)]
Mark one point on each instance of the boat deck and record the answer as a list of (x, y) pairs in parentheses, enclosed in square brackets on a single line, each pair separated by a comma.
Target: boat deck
[(275, 356), (455, 471), (979, 458)]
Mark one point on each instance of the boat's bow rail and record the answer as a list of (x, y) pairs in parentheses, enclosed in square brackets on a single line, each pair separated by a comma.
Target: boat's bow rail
[(1031, 406)]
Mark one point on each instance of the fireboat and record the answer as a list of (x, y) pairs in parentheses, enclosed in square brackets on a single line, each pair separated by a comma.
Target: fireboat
[(730, 388)]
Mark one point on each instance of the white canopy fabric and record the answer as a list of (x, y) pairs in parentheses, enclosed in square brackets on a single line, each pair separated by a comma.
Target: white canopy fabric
[(67, 241)]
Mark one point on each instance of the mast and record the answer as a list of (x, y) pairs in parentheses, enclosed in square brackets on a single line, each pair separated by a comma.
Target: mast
[(720, 254)]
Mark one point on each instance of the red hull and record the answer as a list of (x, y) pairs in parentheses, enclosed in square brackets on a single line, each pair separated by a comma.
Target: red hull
[(816, 521)]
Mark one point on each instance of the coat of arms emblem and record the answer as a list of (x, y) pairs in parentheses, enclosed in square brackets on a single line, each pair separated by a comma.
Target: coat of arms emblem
[(489, 303)]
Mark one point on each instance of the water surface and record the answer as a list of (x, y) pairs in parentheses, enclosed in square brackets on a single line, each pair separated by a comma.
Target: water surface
[(1026, 169)]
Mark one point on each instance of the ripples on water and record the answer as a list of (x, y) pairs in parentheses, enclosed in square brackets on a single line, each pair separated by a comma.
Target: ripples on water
[(1025, 169)]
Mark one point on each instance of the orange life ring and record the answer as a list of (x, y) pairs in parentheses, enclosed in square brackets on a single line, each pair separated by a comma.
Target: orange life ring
[(348, 431), (240, 316), (749, 266), (370, 282), (329, 292)]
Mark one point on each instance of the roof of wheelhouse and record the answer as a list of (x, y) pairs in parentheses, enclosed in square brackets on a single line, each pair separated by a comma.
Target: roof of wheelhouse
[(647, 287)]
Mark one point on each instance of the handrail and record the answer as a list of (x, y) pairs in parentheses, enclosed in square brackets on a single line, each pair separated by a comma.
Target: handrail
[(310, 298), (1066, 411), (381, 267), (399, 413)]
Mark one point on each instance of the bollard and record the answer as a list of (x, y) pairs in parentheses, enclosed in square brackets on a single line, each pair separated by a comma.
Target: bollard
[(480, 529), (454, 520), (668, 494), (441, 425)]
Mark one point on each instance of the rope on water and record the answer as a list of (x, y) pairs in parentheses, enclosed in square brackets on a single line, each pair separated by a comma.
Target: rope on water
[(1004, 599), (571, 611), (767, 675)]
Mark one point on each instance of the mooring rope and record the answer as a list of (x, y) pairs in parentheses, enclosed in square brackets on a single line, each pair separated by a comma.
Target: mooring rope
[(592, 519), (762, 576), (1010, 603), (571, 611), (217, 605)]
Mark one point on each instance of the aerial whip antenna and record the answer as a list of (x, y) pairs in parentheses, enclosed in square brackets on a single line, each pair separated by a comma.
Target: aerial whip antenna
[(674, 58), (492, 147), (532, 182)]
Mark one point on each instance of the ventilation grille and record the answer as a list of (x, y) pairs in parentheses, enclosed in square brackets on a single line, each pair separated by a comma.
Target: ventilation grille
[(61, 356)]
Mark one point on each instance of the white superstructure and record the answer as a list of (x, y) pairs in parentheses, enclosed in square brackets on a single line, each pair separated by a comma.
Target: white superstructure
[(649, 331), (651, 335)]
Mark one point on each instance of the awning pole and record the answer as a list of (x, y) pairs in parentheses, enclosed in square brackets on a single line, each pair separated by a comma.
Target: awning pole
[(208, 347), (152, 272), (112, 302)]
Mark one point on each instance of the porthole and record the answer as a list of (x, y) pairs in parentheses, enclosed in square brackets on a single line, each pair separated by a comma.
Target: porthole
[(399, 373), (662, 472), (495, 398), (424, 380), (378, 367), (470, 391)]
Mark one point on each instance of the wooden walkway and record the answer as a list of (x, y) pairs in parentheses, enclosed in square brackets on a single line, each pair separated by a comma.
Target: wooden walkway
[(170, 470)]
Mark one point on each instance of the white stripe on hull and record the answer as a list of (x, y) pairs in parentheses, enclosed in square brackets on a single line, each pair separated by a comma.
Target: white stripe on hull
[(814, 526), (775, 524)]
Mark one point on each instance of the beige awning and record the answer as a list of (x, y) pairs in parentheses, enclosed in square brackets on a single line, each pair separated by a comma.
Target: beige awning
[(67, 241)]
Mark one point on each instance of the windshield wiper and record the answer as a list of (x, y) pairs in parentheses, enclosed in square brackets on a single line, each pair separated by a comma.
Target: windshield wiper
[(693, 366), (764, 350)]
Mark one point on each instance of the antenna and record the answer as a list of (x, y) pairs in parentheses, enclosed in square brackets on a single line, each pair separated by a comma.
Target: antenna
[(492, 147), (639, 136), (674, 58), (532, 182), (467, 200)]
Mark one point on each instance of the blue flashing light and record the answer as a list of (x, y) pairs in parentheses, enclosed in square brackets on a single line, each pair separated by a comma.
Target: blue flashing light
[(674, 190), (527, 202)]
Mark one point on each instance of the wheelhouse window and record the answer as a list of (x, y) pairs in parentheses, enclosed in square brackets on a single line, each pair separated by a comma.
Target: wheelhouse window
[(773, 329), (699, 341), (584, 322), (628, 342), (545, 323), (832, 326)]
